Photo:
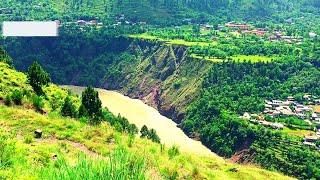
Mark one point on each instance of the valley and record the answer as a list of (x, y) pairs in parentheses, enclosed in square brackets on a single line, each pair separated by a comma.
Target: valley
[(140, 114), (191, 89), (185, 89)]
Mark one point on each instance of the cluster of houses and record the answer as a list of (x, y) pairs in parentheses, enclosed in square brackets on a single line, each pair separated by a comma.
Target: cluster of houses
[(122, 20), (259, 119), (312, 140), (276, 35), (90, 23), (290, 107)]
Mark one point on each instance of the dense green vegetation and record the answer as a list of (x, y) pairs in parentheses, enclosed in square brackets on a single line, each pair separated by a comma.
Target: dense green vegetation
[(231, 89), (160, 11), (69, 147), (87, 57), (247, 70), (37, 78)]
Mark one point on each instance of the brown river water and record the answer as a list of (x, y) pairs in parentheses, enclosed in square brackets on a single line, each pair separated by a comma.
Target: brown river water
[(141, 114)]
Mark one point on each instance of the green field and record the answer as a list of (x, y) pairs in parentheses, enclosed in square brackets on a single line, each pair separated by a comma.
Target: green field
[(252, 58), (180, 42), (196, 56), (239, 58), (298, 132)]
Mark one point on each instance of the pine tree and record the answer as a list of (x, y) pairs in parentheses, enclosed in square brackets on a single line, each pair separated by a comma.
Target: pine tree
[(92, 105), (38, 77), (144, 131), (153, 136), (68, 109)]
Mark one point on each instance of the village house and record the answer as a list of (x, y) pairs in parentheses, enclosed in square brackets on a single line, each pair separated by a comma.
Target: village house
[(5, 11), (256, 119), (117, 24), (121, 17), (302, 108), (246, 116), (291, 39), (312, 35), (207, 27), (142, 23), (93, 22), (311, 139), (187, 20), (277, 126), (234, 26), (314, 116), (290, 98), (307, 97), (81, 22), (220, 27), (257, 32)]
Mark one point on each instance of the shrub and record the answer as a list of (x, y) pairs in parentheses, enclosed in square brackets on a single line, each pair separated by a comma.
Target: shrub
[(54, 102), (37, 102), (177, 84), (150, 134), (68, 108), (173, 151), (82, 111), (4, 57), (132, 129), (16, 97), (144, 131), (153, 136), (8, 100), (28, 139)]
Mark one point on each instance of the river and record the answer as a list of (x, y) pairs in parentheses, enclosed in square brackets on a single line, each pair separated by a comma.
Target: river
[(141, 114)]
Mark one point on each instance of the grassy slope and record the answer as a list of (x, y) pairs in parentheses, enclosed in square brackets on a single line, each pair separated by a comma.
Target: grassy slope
[(89, 9), (181, 42), (68, 138)]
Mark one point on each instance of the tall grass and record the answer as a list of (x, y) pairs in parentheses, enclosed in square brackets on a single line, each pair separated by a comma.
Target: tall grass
[(7, 149), (120, 165)]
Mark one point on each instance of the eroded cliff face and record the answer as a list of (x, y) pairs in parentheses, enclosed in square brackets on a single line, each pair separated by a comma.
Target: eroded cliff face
[(163, 76)]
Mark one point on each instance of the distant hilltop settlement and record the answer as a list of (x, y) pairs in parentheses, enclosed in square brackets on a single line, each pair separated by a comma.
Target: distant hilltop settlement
[(309, 112), (271, 35)]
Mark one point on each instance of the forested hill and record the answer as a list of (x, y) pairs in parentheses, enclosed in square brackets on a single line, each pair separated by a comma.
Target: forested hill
[(156, 11)]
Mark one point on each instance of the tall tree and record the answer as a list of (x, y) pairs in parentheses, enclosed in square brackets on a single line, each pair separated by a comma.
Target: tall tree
[(38, 77), (92, 105)]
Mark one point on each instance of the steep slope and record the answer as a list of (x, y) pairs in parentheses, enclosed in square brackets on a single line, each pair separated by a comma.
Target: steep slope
[(154, 12), (68, 148), (163, 77)]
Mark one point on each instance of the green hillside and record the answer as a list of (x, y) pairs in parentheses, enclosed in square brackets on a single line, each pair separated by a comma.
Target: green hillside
[(157, 11), (241, 76), (69, 147)]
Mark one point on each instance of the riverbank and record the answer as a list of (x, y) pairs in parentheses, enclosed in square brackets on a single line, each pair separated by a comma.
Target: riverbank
[(141, 114)]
